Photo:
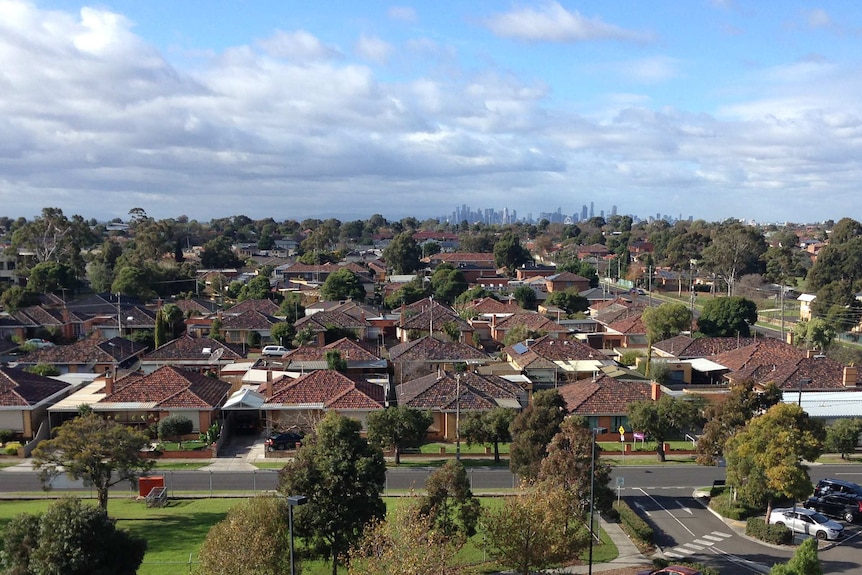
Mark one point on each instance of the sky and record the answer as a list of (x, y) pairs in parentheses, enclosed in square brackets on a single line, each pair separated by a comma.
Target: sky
[(292, 109)]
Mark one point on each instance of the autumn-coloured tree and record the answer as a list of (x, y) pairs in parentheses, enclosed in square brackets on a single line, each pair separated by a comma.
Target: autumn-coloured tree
[(449, 502), (488, 427)]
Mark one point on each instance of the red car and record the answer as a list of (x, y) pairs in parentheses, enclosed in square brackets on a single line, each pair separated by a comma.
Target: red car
[(672, 570)]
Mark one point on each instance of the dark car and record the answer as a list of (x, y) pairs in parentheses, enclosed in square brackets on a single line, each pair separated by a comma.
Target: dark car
[(280, 440), (672, 570), (847, 507), (830, 485)]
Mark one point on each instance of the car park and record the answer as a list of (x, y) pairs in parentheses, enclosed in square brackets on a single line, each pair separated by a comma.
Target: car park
[(672, 570), (843, 505), (831, 485), (801, 520), (281, 440), (274, 350)]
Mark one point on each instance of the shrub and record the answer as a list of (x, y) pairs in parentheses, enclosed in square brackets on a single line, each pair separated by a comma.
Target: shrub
[(635, 526), (726, 507), (11, 448), (6, 435), (662, 563), (758, 528)]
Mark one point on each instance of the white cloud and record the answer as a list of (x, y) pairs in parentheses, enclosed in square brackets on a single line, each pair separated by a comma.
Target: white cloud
[(403, 13), (297, 46), (373, 49), (551, 22), (818, 18)]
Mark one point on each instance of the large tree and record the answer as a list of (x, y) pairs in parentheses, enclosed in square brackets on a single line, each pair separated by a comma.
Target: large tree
[(97, 450), (218, 254), (398, 427), (489, 427), (251, 540), (447, 283), (449, 502), (764, 460), (343, 476), (736, 250), (532, 431), (342, 284), (570, 301), (663, 419), (69, 538), (666, 320), (402, 255), (509, 253), (804, 561), (727, 317), (843, 436)]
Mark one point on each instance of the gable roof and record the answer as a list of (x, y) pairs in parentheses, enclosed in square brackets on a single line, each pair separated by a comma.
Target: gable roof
[(166, 388), (249, 319), (321, 320), (350, 351), (322, 389), (193, 348), (432, 350), (686, 347), (264, 306), (88, 352), (603, 395), (532, 321), (19, 388), (439, 391)]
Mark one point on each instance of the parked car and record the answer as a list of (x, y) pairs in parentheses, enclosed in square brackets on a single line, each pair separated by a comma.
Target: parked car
[(806, 521), (847, 507), (38, 343), (830, 485), (672, 570), (274, 350), (280, 440)]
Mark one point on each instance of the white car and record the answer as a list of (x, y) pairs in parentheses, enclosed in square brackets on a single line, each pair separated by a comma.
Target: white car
[(807, 521), (274, 350), (38, 343)]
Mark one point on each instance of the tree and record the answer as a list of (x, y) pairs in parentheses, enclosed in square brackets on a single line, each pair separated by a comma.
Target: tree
[(52, 237), (304, 337), (764, 460), (257, 287), (341, 285), (491, 426), (449, 503), (843, 436), (218, 254), (735, 250), (666, 321), (134, 282), (43, 369), (48, 277), (174, 427), (405, 542), (334, 361), (533, 530), (525, 296), (408, 293), (282, 332), (99, 451), (215, 330), (804, 561), (570, 301), (727, 317), (532, 431), (398, 427), (447, 283), (251, 540), (291, 308), (509, 253), (160, 331), (816, 332), (663, 419), (402, 255), (727, 417), (69, 538), (836, 303), (571, 466), (343, 476)]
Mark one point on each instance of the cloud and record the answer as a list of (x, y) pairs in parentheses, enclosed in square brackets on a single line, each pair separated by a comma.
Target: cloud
[(298, 46), (402, 13), (373, 49), (643, 70), (550, 22), (818, 18)]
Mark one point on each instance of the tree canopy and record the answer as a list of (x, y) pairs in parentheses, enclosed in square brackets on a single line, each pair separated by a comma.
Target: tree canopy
[(342, 284), (509, 253), (666, 320), (97, 450), (489, 426), (398, 427), (449, 502), (663, 419), (727, 317), (402, 255), (532, 431)]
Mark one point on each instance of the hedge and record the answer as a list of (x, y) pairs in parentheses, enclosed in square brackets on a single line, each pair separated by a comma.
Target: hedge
[(635, 526), (777, 534)]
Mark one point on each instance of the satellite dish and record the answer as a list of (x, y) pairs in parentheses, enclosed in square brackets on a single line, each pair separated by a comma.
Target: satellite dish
[(216, 355)]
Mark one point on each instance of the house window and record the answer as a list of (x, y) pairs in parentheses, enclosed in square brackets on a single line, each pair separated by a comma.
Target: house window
[(620, 420)]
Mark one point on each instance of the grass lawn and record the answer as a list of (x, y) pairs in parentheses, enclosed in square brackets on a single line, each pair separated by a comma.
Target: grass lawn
[(180, 465)]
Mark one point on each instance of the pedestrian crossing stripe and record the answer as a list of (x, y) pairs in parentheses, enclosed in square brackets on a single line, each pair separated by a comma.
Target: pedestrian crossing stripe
[(687, 549)]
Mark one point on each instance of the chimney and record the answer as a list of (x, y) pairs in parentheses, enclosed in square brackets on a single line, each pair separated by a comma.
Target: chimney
[(109, 384), (269, 383), (851, 377), (655, 391)]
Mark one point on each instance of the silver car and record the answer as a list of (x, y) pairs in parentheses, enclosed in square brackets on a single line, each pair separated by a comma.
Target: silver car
[(807, 521)]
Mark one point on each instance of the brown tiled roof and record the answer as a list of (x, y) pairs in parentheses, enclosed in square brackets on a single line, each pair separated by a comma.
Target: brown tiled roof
[(39, 316), (567, 277), (19, 388), (439, 391), (250, 319), (87, 351), (436, 315), (685, 347), (603, 396), (558, 349), (430, 349), (464, 257), (349, 350), (194, 305), (170, 387), (764, 352), (532, 321), (321, 320), (492, 306), (617, 312), (631, 325), (192, 348), (327, 388), (807, 373), (264, 306)]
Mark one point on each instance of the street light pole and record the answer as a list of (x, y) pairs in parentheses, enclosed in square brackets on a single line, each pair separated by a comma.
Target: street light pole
[(293, 501), (594, 432), (458, 417)]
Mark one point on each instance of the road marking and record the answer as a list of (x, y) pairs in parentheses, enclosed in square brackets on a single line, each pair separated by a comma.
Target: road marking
[(714, 538), (702, 542), (686, 509), (744, 563), (693, 546), (725, 535), (666, 511), (642, 509)]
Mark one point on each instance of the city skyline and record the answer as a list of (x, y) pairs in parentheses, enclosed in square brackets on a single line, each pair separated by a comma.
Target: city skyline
[(715, 109)]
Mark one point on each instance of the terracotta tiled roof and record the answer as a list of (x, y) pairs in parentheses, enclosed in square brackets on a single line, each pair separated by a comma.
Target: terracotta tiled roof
[(685, 347), (349, 350), (438, 391), (617, 312), (558, 349), (766, 352), (250, 319), (436, 315), (196, 306), (321, 320), (192, 348), (603, 396), (567, 277), (631, 325), (490, 305), (531, 321), (464, 257), (88, 351), (264, 306), (170, 387), (430, 349), (19, 388), (326, 388)]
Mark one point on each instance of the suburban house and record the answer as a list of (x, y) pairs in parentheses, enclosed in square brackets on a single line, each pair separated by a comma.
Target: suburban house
[(532, 322), (25, 398), (322, 321), (603, 401), (192, 353), (429, 317), (238, 328), (548, 362), (429, 354), (450, 395), (566, 280), (91, 355)]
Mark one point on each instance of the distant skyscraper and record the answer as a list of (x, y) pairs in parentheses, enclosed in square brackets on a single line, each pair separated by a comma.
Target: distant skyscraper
[(592, 211), (613, 210)]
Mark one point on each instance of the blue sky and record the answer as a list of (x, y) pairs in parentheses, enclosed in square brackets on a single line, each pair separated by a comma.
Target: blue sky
[(289, 109)]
